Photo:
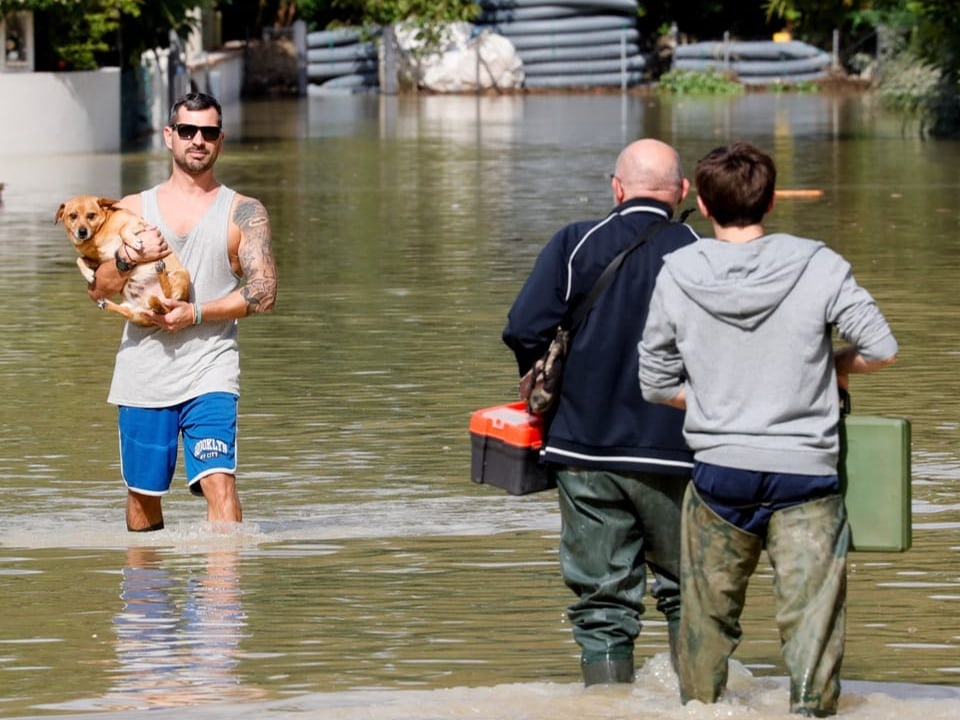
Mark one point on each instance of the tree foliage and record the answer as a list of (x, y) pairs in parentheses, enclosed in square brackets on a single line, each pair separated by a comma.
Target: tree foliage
[(87, 34), (385, 12), (938, 42), (323, 13)]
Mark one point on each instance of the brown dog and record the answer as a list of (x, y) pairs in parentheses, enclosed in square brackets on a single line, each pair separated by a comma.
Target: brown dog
[(98, 229)]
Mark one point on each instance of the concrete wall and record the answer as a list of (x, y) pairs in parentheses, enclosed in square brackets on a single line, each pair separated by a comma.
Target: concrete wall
[(60, 113)]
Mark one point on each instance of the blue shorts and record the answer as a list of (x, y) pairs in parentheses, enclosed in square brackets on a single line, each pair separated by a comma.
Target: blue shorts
[(149, 438)]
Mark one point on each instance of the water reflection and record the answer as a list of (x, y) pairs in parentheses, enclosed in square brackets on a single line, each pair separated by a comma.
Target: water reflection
[(177, 635)]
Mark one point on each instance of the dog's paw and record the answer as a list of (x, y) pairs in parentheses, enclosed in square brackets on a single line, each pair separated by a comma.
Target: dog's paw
[(160, 266), (101, 303), (154, 304)]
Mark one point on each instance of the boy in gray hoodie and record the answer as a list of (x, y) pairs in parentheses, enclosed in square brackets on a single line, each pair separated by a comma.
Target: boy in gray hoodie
[(739, 333)]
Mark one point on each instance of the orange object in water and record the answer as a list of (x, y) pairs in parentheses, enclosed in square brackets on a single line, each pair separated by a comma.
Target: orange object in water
[(812, 193), (505, 449)]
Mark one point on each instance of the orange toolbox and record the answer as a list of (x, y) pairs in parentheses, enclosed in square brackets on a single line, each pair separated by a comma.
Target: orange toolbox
[(505, 449)]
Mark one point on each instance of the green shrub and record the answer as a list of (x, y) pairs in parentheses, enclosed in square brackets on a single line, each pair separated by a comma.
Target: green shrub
[(698, 82), (908, 83), (801, 86)]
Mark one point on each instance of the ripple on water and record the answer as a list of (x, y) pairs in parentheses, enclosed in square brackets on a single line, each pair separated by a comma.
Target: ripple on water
[(653, 696)]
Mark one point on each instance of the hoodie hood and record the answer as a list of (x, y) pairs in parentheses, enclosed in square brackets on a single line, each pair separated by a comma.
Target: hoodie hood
[(741, 283)]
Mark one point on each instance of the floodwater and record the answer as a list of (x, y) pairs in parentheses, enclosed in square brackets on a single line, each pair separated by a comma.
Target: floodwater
[(372, 579)]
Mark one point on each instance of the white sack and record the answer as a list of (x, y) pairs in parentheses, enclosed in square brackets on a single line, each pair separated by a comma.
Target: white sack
[(464, 63)]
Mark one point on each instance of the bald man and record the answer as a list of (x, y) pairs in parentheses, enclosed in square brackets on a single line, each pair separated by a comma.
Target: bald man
[(621, 464)]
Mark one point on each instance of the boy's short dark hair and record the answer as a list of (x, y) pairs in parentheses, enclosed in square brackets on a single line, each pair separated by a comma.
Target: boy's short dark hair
[(196, 101), (736, 184)]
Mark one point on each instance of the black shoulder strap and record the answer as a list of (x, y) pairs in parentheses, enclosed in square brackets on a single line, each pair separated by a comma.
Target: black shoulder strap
[(607, 275)]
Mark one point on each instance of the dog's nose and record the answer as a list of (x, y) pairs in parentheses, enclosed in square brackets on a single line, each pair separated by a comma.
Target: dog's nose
[(82, 233)]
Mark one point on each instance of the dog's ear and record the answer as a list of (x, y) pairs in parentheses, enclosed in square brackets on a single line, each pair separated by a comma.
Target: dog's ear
[(59, 216), (106, 202)]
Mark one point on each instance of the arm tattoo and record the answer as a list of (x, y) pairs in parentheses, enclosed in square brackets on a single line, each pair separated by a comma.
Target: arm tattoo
[(256, 256)]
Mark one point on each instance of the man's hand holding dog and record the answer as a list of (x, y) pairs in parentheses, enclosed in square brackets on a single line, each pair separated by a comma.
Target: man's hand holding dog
[(179, 315), (108, 280)]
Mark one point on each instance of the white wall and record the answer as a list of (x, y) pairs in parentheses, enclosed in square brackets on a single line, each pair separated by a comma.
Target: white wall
[(60, 113)]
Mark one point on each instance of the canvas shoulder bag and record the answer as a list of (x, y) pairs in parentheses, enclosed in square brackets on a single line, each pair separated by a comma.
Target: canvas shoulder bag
[(540, 387)]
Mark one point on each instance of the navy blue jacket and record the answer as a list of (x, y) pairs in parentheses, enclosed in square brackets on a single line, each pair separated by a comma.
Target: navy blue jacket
[(601, 421)]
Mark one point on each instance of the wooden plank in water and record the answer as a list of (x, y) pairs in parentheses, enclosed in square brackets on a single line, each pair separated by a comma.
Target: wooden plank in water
[(798, 193)]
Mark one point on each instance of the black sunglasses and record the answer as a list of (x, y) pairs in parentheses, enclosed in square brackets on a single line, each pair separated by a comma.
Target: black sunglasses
[(186, 131)]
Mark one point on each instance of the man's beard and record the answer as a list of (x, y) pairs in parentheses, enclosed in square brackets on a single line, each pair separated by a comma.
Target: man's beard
[(196, 165)]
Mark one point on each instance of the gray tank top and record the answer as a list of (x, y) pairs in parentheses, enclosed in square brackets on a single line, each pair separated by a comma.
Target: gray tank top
[(155, 368)]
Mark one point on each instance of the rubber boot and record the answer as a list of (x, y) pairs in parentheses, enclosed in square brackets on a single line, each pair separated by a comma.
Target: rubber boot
[(608, 671), (807, 545), (718, 560)]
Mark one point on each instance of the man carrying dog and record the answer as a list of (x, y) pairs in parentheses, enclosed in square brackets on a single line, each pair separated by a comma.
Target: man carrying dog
[(181, 375)]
